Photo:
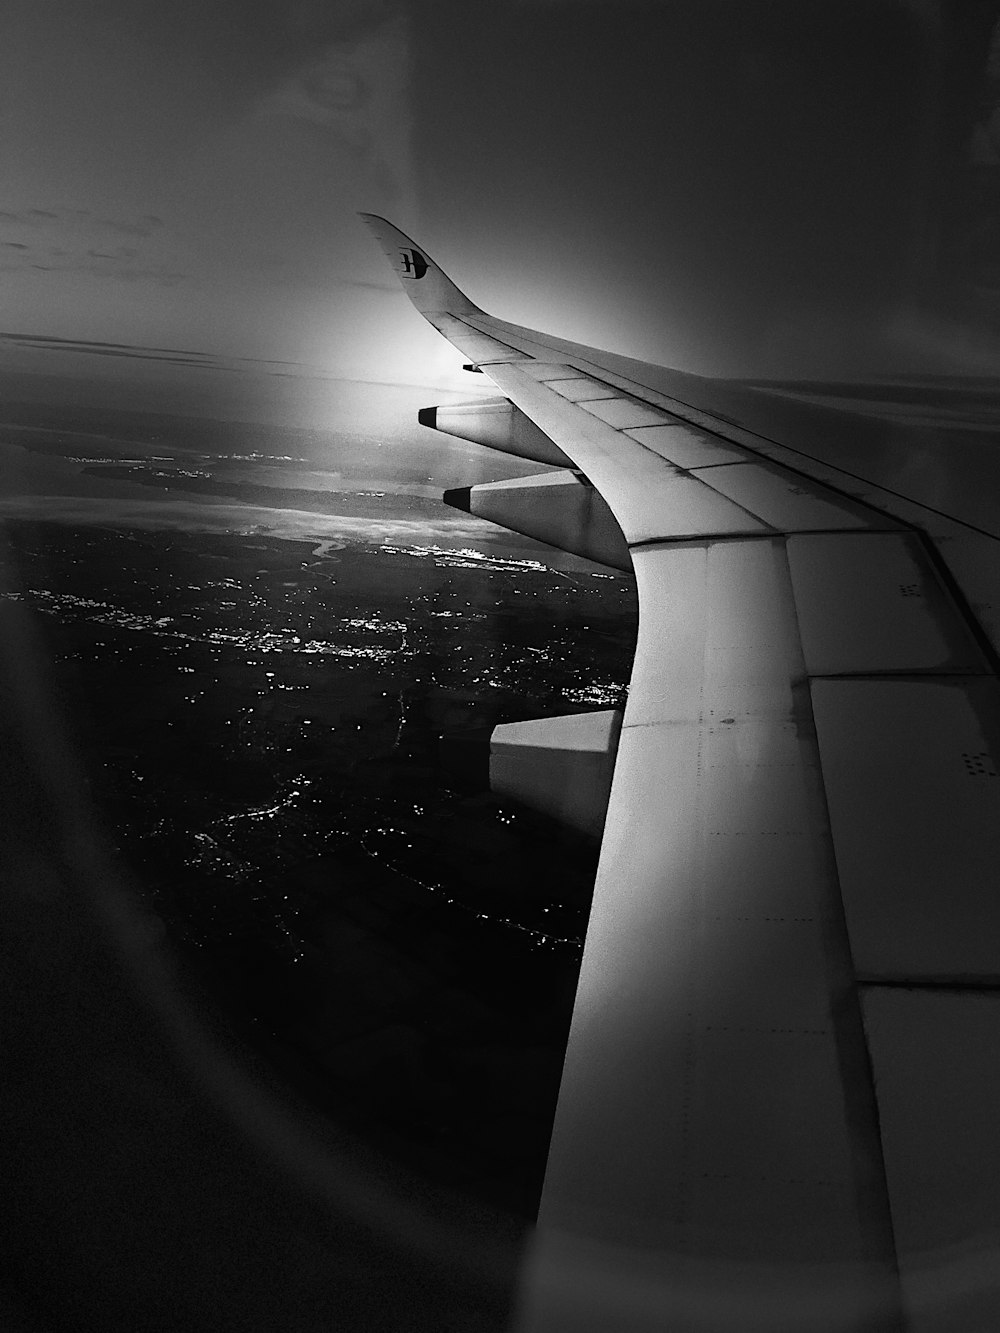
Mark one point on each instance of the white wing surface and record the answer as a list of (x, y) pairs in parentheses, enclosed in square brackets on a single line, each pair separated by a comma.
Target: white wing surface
[(781, 1094)]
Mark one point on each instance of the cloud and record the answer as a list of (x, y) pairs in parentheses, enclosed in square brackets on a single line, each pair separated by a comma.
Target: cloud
[(88, 243), (144, 226), (243, 520), (162, 275), (29, 217), (176, 356), (82, 217), (393, 290)]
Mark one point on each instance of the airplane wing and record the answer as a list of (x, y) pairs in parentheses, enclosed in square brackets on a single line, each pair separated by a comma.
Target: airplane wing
[(781, 1084)]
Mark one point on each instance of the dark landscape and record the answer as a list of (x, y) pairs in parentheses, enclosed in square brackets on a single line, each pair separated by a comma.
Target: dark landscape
[(286, 744)]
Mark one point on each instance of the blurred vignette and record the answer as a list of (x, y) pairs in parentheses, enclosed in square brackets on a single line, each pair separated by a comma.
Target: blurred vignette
[(271, 1216)]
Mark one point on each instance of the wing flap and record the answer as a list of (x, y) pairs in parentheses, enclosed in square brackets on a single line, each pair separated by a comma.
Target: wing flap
[(686, 445), (873, 603), (580, 389), (934, 1054), (915, 810), (622, 412), (788, 503)]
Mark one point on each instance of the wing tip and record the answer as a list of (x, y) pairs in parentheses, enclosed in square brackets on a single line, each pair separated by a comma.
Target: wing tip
[(424, 281)]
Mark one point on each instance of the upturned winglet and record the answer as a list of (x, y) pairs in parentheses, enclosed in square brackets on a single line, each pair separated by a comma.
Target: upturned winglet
[(427, 286)]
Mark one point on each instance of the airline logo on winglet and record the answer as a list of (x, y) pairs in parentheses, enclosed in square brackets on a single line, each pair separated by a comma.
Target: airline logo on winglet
[(414, 264)]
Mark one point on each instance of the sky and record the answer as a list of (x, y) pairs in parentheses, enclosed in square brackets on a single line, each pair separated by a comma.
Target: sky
[(749, 188)]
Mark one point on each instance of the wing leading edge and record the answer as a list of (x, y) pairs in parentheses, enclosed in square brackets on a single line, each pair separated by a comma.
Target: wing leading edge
[(794, 937)]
